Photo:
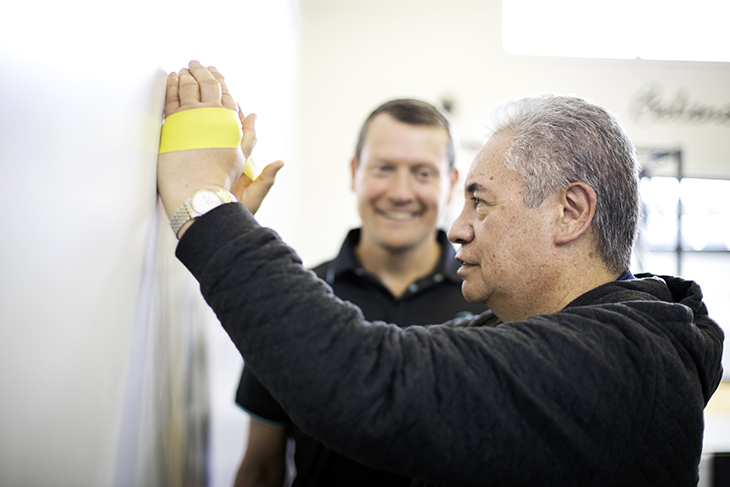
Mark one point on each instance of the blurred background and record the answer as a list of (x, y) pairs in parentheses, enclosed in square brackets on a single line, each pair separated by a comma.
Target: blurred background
[(114, 372)]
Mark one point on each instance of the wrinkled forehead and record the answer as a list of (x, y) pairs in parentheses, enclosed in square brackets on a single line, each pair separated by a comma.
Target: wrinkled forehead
[(488, 166)]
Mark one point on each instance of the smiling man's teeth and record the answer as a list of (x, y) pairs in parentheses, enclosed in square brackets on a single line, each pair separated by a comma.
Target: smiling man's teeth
[(399, 215)]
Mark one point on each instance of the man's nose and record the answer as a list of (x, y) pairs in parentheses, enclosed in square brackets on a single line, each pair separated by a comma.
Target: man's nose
[(461, 232), (400, 188)]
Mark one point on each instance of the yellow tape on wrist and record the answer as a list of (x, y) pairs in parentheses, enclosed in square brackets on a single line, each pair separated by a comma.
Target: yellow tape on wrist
[(201, 128), (250, 169)]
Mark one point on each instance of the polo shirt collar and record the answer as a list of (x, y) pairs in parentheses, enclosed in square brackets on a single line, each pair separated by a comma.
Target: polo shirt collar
[(346, 260)]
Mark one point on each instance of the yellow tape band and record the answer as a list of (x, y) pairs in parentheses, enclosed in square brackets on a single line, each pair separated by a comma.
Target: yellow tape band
[(201, 128), (250, 169)]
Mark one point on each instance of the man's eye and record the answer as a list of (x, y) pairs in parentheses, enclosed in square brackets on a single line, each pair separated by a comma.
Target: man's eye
[(477, 201), (425, 175)]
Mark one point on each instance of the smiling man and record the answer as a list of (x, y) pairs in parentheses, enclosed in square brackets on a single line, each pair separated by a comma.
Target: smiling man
[(595, 377), (398, 267)]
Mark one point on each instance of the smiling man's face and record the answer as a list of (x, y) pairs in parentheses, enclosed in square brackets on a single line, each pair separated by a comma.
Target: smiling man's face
[(505, 245), (402, 182)]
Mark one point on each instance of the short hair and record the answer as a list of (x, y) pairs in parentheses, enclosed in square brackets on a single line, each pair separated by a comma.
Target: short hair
[(412, 112), (557, 140)]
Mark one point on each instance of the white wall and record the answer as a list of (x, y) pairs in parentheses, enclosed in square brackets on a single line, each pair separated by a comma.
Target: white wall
[(109, 359)]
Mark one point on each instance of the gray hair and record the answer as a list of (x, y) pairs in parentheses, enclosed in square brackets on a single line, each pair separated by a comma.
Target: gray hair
[(557, 140)]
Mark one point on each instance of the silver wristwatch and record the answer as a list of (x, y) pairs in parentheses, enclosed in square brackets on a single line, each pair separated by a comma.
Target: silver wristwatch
[(199, 204)]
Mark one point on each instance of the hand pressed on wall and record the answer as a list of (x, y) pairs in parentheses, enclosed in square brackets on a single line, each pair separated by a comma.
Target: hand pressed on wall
[(182, 173)]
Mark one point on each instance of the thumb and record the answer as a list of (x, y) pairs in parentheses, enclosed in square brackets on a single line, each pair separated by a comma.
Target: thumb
[(259, 188), (248, 137)]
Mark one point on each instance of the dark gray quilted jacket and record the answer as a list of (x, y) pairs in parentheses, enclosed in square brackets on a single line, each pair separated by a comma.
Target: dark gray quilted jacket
[(607, 392)]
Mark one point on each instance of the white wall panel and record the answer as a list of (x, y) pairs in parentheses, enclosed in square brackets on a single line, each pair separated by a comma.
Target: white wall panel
[(105, 343)]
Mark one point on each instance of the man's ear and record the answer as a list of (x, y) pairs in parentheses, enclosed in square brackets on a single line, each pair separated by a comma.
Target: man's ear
[(453, 178), (353, 170), (578, 204)]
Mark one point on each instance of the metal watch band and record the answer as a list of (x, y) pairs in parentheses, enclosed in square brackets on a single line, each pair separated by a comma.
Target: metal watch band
[(186, 212), (179, 218)]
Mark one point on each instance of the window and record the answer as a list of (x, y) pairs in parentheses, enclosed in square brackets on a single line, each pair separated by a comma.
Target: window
[(693, 211)]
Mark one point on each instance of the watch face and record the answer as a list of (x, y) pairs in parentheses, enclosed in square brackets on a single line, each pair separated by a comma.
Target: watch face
[(204, 201)]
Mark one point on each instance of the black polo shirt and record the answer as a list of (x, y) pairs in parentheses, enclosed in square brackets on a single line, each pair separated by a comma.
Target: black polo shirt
[(435, 298)]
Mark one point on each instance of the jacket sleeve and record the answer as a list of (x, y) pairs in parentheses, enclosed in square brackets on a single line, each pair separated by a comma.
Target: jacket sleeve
[(530, 403)]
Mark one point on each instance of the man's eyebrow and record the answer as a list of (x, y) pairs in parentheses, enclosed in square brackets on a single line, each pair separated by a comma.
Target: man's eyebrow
[(474, 187)]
